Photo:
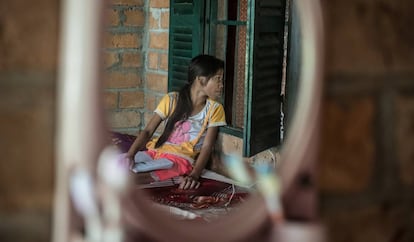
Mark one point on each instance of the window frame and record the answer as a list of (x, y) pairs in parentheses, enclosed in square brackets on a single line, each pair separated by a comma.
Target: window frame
[(211, 23)]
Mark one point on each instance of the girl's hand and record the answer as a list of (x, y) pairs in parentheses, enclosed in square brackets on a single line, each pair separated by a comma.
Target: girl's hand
[(189, 182), (126, 160), (131, 161)]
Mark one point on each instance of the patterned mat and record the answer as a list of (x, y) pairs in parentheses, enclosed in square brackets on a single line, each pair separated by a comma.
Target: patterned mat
[(211, 200)]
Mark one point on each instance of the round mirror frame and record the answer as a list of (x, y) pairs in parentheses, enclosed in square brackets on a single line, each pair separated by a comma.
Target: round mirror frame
[(81, 139), (300, 145)]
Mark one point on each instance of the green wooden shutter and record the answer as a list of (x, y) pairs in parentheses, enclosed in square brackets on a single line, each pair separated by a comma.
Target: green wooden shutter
[(266, 31), (293, 64), (185, 39)]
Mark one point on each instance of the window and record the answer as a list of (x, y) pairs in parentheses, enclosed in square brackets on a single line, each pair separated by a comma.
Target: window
[(226, 35), (249, 36)]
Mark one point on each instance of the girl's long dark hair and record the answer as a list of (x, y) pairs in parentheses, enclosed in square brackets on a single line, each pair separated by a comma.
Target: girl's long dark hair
[(201, 65)]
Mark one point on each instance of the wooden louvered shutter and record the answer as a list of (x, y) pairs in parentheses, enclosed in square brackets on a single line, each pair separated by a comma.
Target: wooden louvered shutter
[(185, 39), (294, 54), (266, 29)]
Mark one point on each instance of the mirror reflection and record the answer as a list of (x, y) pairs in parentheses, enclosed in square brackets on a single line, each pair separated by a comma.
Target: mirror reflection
[(190, 84)]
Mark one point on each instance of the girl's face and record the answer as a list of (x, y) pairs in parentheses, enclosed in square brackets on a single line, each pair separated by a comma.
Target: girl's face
[(214, 86)]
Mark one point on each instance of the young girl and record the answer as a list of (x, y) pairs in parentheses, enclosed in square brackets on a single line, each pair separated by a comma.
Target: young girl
[(193, 119)]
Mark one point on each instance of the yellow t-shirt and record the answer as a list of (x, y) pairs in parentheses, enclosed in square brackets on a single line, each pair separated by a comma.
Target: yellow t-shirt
[(188, 135)]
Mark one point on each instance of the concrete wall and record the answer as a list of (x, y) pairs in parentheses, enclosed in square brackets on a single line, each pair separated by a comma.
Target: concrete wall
[(366, 158)]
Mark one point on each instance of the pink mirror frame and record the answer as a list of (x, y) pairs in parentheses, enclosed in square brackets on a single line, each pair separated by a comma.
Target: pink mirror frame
[(81, 134)]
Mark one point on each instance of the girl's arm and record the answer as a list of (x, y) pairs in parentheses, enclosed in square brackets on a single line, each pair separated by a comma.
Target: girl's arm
[(144, 136), (191, 181)]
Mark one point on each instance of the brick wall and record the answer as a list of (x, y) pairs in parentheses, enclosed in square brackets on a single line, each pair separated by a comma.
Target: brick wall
[(136, 61), (28, 49), (366, 164)]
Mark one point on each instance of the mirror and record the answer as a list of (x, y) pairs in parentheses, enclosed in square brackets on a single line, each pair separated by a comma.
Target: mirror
[(138, 212), (252, 101)]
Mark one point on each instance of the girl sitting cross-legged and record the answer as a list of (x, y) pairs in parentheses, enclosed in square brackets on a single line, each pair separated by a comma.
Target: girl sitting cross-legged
[(192, 119)]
